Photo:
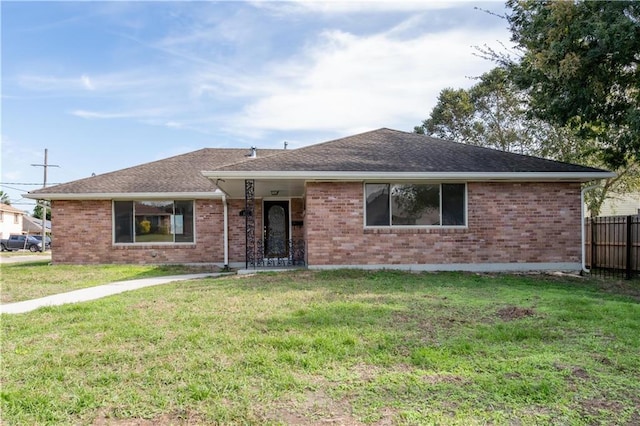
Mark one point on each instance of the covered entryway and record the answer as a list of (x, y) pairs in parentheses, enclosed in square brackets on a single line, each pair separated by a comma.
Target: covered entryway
[(272, 214)]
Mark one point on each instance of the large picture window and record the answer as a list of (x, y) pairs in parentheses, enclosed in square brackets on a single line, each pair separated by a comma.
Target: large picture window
[(153, 221), (415, 204)]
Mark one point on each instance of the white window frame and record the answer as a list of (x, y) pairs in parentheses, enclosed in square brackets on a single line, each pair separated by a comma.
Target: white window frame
[(390, 225)]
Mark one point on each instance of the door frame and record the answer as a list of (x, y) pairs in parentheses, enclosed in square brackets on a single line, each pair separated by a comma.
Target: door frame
[(264, 221)]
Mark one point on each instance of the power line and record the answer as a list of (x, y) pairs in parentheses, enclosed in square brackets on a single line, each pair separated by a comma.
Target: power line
[(29, 183), (15, 189)]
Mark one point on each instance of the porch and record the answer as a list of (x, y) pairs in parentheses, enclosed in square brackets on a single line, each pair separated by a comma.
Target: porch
[(271, 215)]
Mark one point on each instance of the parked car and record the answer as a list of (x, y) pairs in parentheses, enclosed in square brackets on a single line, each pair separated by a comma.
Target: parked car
[(48, 240), (21, 242)]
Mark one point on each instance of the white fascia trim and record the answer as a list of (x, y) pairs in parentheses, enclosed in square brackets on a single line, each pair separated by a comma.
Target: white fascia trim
[(467, 267), (359, 176), (128, 196)]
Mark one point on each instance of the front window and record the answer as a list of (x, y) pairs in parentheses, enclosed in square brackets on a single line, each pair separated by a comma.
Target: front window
[(415, 204), (153, 221)]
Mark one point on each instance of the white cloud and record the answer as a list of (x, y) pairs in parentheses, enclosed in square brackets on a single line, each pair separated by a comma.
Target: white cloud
[(142, 113), (86, 82), (348, 83), (345, 6), (108, 83)]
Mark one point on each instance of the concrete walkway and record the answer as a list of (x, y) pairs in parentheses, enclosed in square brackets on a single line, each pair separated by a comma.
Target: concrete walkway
[(92, 293), (25, 258)]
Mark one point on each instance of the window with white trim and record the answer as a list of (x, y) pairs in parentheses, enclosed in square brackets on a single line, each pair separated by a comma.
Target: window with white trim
[(441, 204), (153, 221)]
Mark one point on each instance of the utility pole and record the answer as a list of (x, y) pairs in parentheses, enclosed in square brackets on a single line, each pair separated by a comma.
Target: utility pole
[(45, 166)]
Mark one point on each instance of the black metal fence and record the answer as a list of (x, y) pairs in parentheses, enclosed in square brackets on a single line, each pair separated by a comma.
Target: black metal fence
[(277, 254), (613, 246)]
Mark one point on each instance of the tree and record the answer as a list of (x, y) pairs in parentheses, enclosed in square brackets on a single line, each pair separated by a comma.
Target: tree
[(451, 118), (579, 65), (491, 113), (37, 210), (4, 198)]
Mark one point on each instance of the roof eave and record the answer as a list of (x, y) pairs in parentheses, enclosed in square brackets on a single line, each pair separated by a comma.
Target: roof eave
[(126, 196), (462, 176)]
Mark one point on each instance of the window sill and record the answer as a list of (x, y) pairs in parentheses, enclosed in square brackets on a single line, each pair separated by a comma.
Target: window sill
[(417, 230), (153, 245)]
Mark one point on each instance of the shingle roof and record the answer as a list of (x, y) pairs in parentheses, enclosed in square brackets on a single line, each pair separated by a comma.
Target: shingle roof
[(378, 151), (181, 173), (386, 150)]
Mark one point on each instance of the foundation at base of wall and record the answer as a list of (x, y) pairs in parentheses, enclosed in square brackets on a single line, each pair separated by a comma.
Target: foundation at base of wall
[(465, 267)]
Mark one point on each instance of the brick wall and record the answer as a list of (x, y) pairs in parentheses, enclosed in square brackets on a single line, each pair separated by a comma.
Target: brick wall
[(82, 234), (507, 223)]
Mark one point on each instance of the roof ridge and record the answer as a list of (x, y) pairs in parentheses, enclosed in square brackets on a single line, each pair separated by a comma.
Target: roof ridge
[(289, 152), (248, 158), (9, 208)]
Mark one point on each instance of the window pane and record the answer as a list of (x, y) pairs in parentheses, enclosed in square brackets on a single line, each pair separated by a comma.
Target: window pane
[(415, 204), (123, 222), (183, 221), (153, 221), (377, 204), (453, 211)]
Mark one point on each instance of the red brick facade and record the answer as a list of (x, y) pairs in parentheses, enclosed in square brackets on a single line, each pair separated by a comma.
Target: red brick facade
[(83, 233), (507, 223)]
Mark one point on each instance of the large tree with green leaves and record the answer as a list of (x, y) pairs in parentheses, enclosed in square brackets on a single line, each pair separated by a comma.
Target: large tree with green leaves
[(493, 113), (579, 64), (37, 210)]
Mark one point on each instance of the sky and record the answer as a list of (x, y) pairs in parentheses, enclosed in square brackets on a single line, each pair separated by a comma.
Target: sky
[(109, 85)]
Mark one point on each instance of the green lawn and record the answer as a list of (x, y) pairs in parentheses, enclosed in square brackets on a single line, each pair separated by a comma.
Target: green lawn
[(343, 347), (31, 280)]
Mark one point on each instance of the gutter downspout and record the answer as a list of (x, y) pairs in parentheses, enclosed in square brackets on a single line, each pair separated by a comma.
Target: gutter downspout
[(582, 233), (226, 230)]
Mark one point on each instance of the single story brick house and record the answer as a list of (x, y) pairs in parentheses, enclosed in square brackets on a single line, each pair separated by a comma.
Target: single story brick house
[(380, 199)]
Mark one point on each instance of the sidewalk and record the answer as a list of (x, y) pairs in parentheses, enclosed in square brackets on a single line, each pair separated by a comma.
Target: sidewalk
[(25, 258), (92, 293)]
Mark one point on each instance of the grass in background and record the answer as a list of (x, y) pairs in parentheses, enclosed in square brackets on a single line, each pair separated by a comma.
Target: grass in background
[(343, 347), (24, 281)]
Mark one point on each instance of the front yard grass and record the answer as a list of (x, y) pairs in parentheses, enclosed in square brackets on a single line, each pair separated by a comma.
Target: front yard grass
[(341, 347), (24, 281)]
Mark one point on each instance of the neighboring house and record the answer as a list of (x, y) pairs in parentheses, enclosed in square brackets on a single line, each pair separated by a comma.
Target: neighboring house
[(621, 205), (381, 199), (32, 225), (10, 220)]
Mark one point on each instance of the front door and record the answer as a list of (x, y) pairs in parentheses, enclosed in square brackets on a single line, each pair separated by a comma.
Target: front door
[(276, 229)]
